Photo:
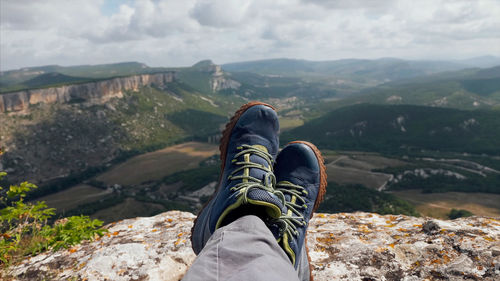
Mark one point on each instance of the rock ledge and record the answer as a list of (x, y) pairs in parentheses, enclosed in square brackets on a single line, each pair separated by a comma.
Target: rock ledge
[(346, 246)]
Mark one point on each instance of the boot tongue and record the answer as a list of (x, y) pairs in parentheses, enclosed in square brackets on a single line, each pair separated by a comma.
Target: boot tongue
[(266, 178), (260, 174), (288, 197)]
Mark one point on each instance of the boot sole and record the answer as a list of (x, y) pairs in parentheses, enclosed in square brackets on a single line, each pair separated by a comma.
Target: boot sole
[(226, 135), (322, 190)]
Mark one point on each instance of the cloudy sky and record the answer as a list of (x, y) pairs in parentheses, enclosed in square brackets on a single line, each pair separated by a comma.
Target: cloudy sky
[(182, 32)]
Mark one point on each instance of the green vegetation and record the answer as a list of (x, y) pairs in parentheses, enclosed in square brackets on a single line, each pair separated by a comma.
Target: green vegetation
[(455, 214), (403, 129), (142, 121), (196, 178), (197, 123), (152, 191), (160, 117), (350, 198), (483, 87), (26, 231), (464, 89), (196, 79), (51, 79), (324, 95)]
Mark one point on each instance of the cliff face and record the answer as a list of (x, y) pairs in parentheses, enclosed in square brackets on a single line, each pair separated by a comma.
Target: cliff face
[(354, 246), (93, 92), (220, 82)]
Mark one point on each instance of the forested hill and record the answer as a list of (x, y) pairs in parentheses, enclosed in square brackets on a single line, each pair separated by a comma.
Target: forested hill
[(403, 128)]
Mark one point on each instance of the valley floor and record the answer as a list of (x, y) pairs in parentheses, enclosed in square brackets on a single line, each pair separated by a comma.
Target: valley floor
[(183, 177)]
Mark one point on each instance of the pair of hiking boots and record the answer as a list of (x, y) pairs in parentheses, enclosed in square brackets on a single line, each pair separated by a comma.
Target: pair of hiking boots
[(282, 189)]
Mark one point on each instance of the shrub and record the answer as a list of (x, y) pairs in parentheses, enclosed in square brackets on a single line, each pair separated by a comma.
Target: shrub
[(26, 231), (455, 214)]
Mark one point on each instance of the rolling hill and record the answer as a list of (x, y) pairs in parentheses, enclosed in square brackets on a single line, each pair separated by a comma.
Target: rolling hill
[(439, 149), (403, 128), (385, 69), (467, 89)]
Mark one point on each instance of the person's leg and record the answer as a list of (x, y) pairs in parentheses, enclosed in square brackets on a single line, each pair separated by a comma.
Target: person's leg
[(244, 250), (248, 147)]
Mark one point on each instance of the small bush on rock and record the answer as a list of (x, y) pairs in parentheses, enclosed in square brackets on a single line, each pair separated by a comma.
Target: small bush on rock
[(25, 229)]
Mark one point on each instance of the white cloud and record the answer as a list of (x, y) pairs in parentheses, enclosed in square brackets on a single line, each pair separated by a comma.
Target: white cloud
[(220, 13), (171, 32)]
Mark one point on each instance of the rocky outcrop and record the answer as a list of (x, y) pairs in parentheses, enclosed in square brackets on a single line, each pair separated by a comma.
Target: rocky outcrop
[(219, 80), (92, 92), (354, 246)]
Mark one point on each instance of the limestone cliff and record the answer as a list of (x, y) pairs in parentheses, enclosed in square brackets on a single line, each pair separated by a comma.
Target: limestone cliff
[(219, 80), (353, 246), (92, 92)]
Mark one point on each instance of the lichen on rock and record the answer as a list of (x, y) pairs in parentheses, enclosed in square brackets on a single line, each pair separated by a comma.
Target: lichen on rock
[(346, 246)]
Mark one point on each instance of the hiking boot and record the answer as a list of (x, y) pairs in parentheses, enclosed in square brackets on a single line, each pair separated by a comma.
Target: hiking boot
[(301, 177), (248, 148)]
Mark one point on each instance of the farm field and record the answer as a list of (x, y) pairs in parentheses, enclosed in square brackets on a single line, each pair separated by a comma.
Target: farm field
[(344, 175), (439, 204), (355, 168), (143, 179), (155, 165), (287, 123), (135, 176), (351, 167), (70, 198)]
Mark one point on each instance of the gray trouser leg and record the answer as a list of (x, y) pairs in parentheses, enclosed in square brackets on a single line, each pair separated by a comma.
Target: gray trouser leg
[(243, 250)]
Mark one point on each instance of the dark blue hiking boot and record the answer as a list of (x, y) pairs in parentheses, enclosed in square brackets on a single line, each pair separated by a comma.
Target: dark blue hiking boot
[(301, 177), (248, 147)]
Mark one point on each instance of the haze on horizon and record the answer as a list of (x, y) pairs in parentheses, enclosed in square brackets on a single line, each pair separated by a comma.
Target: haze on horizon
[(180, 33)]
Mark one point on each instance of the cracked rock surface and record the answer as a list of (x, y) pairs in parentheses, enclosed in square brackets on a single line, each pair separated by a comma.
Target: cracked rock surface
[(346, 246)]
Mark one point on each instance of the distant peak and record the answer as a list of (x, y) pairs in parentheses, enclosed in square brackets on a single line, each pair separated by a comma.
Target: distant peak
[(204, 64), (208, 66)]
